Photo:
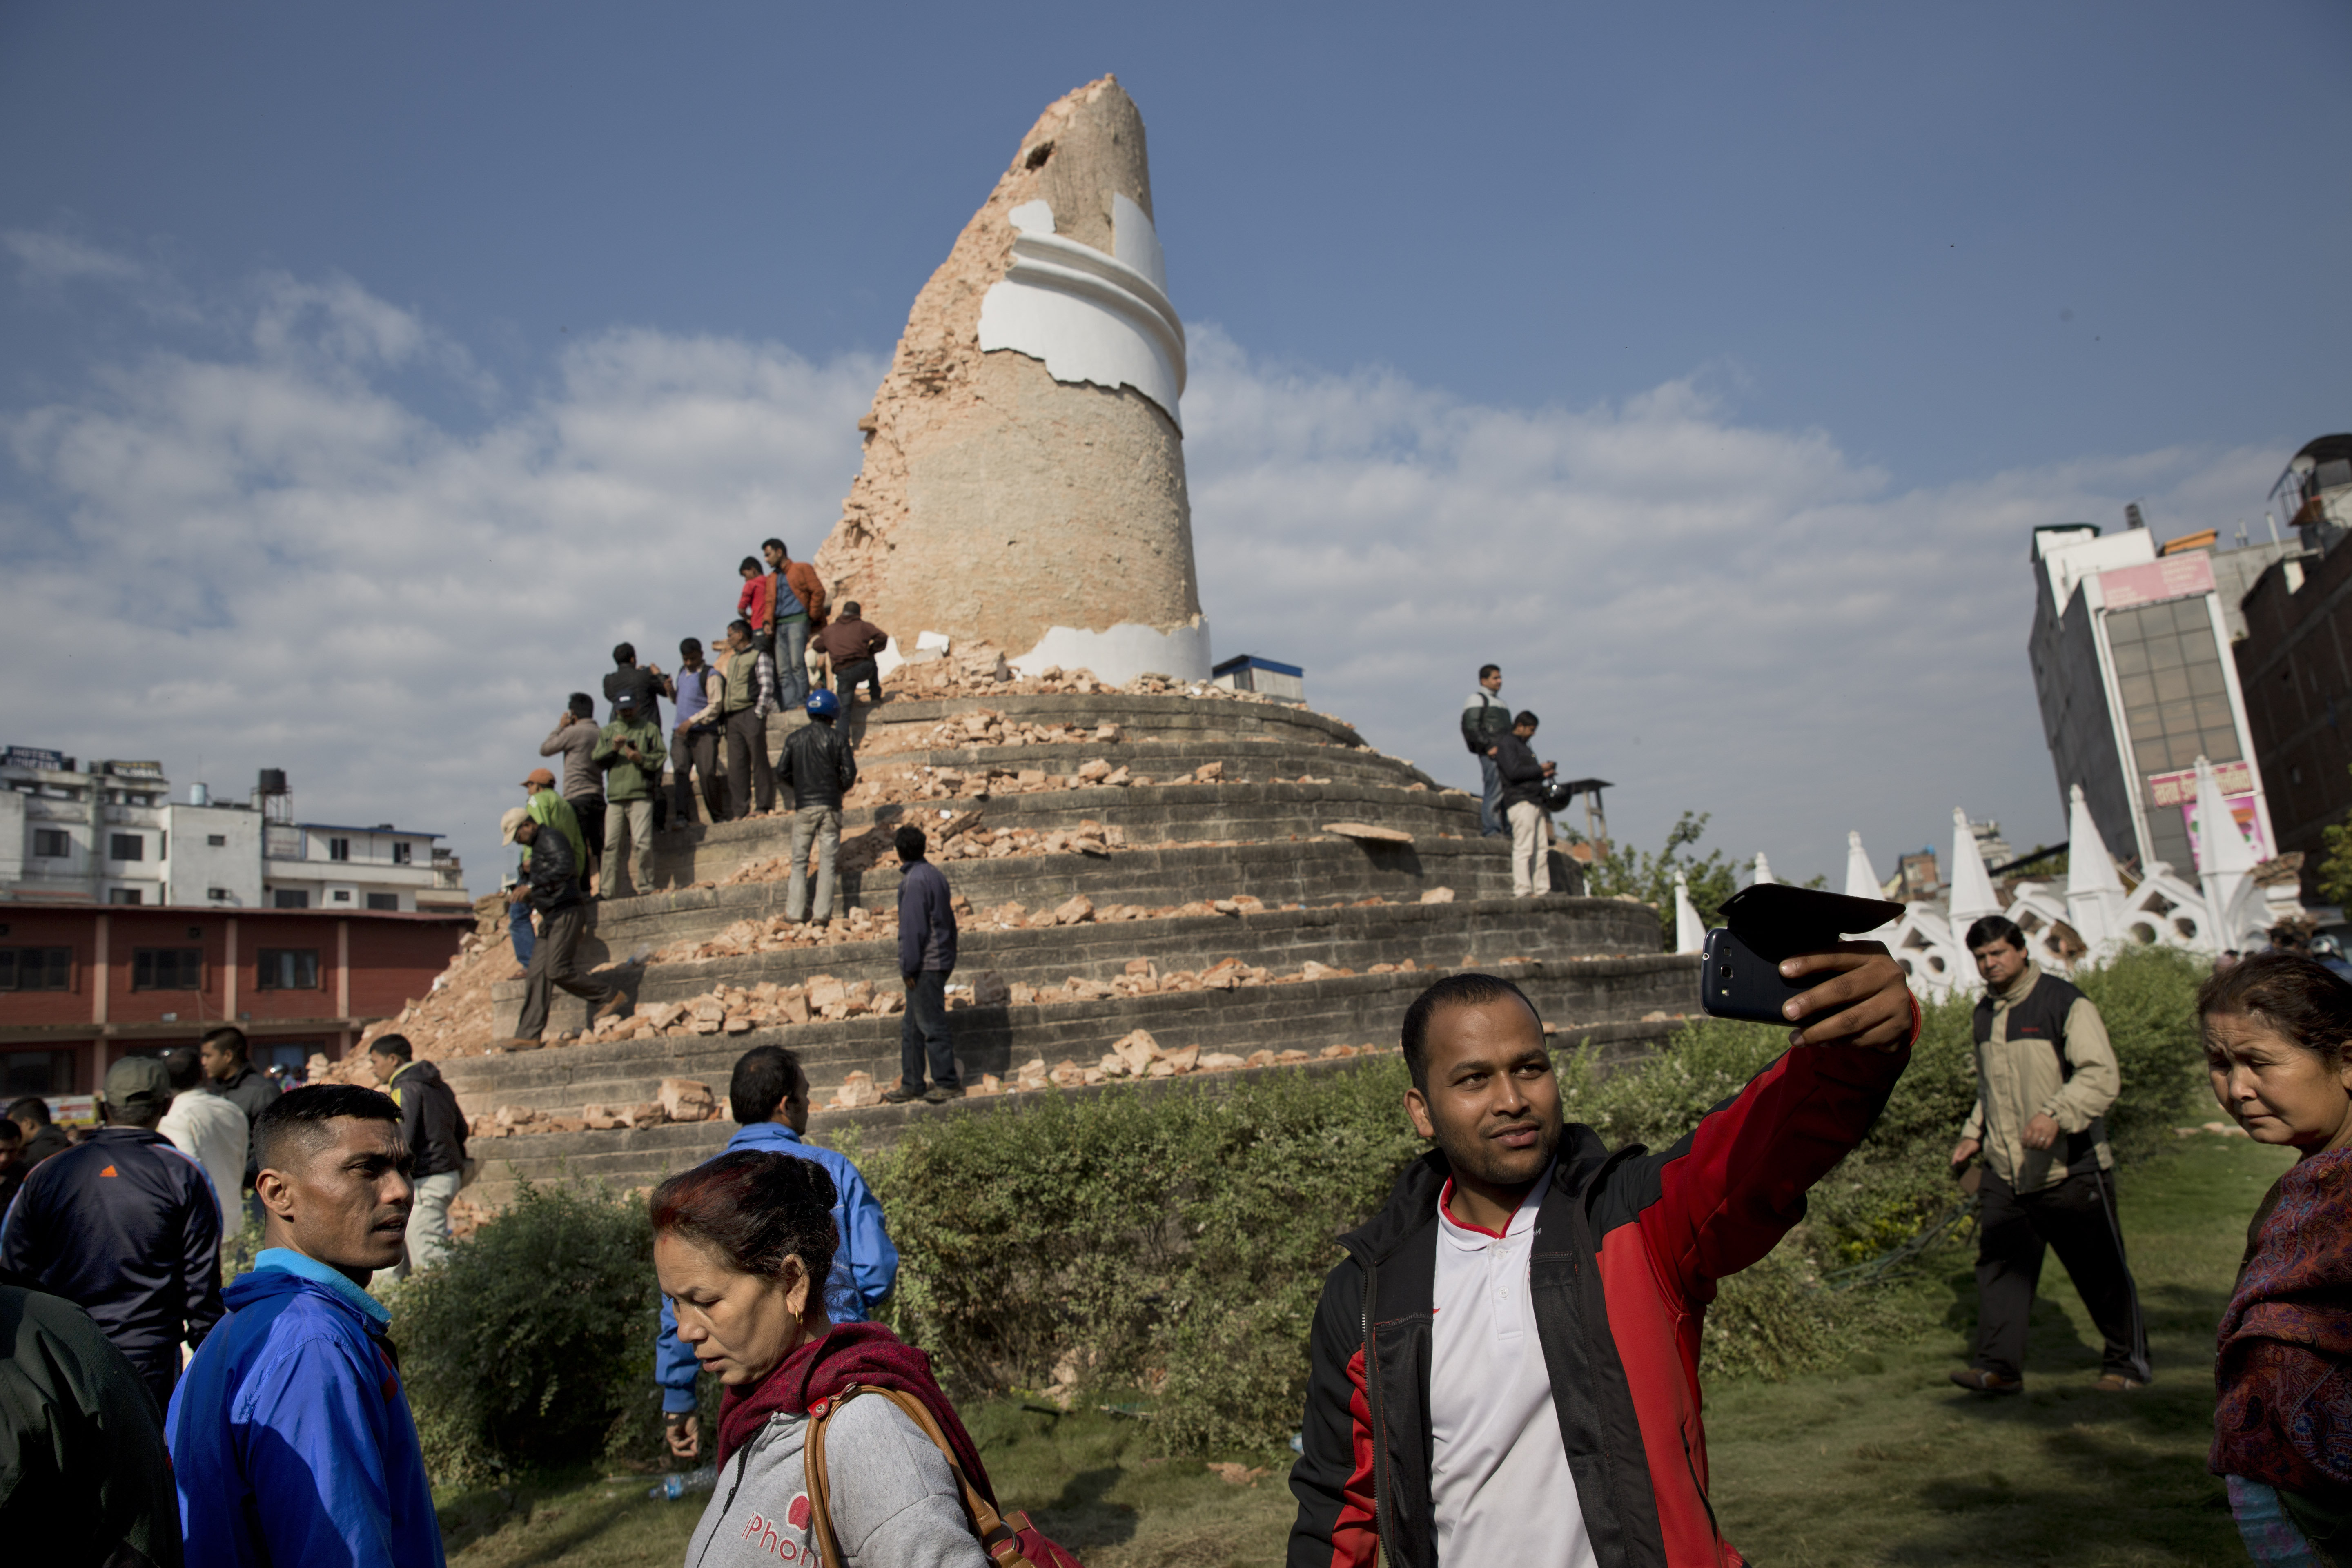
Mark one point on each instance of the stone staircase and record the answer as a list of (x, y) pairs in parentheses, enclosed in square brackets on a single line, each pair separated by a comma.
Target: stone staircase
[(1257, 833)]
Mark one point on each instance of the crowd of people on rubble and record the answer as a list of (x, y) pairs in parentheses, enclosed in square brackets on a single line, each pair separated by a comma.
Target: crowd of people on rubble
[(590, 835)]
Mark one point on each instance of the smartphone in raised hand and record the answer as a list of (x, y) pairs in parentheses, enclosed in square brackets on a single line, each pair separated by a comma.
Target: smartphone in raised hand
[(1739, 974)]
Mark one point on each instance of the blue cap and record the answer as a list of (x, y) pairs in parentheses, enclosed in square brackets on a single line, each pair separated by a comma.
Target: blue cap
[(824, 705)]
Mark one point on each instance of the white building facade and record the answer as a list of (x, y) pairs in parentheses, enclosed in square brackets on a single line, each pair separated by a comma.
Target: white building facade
[(110, 833)]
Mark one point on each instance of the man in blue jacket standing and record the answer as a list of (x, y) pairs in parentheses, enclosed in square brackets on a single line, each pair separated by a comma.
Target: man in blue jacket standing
[(769, 1095), (290, 1436), (126, 1228), (927, 956)]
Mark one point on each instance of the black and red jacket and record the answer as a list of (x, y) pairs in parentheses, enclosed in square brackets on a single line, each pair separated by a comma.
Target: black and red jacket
[(1627, 1252)]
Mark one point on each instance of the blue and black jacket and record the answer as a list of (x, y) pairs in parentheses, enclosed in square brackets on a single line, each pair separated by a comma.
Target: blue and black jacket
[(290, 1436), (127, 1228)]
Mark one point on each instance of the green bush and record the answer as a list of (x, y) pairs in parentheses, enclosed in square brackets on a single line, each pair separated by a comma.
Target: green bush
[(532, 1343), (1176, 1242)]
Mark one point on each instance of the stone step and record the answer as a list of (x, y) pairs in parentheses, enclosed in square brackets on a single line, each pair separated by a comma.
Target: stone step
[(1152, 813), (1312, 871), (1604, 1000), (1163, 762), (1143, 718), (1436, 937)]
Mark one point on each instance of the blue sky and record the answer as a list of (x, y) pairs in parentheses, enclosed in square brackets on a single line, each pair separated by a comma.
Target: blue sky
[(1715, 359)]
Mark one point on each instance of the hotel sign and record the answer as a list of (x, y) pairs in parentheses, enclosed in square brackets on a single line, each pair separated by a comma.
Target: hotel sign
[(2180, 788), (2173, 577)]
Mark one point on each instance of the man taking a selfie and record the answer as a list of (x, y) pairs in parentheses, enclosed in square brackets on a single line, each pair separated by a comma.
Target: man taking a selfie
[(1504, 1370)]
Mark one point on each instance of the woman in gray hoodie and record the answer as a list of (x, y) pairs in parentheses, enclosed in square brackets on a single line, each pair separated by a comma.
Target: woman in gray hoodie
[(738, 1244)]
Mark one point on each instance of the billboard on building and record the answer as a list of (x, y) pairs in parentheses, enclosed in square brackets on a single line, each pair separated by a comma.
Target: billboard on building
[(2173, 577), (2179, 790), (35, 757)]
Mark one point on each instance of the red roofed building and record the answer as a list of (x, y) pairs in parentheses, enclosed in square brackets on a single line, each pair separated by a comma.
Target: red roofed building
[(83, 985)]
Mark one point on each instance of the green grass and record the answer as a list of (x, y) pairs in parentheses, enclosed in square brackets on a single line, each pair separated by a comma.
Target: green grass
[(1884, 1462), (1879, 1463)]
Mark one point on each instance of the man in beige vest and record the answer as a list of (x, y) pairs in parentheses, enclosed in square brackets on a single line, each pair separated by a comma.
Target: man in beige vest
[(747, 695)]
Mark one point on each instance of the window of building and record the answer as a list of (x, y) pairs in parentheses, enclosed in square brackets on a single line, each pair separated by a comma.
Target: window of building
[(36, 969), (2176, 700), (288, 969), (216, 840), (290, 898), (52, 843), (384, 901), (339, 848), (217, 895), (36, 1073), (403, 853), (342, 895), (124, 896), (126, 846), (167, 968)]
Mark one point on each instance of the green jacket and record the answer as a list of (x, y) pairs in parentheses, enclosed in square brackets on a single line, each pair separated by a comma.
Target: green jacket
[(625, 779), (550, 809)]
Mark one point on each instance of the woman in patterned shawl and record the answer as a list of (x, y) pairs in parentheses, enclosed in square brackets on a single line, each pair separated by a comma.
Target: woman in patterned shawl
[(2278, 1042)]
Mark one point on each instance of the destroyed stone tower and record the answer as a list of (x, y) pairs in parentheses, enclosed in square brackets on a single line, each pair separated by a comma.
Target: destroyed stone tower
[(1155, 877), (1023, 482)]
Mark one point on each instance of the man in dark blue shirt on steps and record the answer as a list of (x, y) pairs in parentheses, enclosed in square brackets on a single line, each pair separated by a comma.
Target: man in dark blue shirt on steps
[(927, 956)]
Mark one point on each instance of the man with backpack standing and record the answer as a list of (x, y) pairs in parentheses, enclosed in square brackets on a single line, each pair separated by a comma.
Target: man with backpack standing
[(2046, 1076), (630, 752), (1486, 720), (818, 767), (554, 891)]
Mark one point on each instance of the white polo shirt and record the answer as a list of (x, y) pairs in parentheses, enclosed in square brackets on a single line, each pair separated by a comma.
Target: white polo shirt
[(1500, 1487)]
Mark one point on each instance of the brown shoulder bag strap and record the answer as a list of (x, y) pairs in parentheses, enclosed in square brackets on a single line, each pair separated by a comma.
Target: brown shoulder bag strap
[(996, 1536)]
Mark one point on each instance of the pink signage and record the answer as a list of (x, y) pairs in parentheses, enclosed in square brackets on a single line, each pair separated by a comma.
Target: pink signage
[(2173, 577), (2241, 809)]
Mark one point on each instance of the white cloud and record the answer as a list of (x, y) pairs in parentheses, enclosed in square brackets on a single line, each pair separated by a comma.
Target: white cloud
[(44, 257), (270, 560), (1715, 617), (268, 556)]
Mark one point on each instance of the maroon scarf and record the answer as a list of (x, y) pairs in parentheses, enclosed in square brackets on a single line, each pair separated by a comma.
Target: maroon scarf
[(865, 1353), (2284, 1368)]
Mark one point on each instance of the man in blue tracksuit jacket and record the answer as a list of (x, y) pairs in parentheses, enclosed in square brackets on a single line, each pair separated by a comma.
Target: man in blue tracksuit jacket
[(769, 1094), (291, 1438)]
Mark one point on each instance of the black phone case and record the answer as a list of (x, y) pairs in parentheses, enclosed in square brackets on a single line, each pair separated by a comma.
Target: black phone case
[(1739, 974)]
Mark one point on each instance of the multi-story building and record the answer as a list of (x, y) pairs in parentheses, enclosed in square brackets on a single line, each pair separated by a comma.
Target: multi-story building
[(95, 835), (84, 984), (2130, 660), (2295, 663), (112, 834)]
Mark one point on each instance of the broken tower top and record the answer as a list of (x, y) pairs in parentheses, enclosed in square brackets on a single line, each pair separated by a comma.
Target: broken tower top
[(1023, 482)]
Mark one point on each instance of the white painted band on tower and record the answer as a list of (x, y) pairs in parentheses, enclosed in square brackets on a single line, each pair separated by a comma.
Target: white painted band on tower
[(1089, 316)]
